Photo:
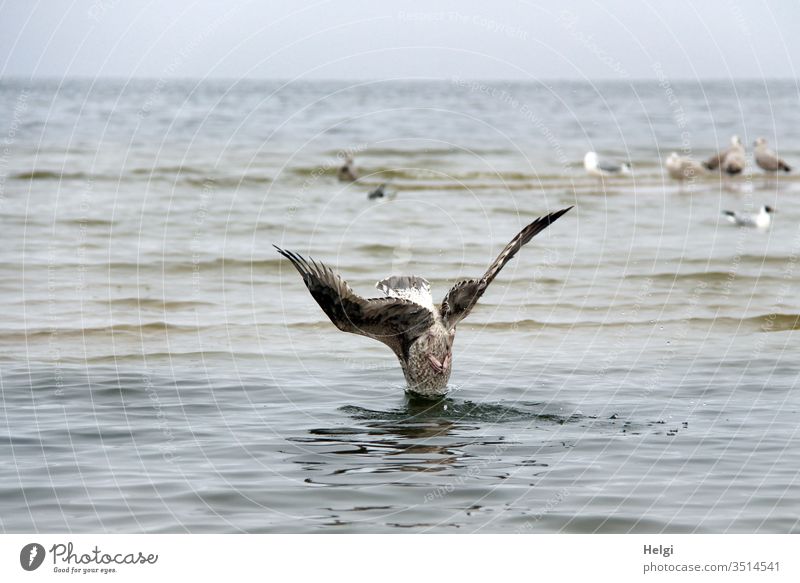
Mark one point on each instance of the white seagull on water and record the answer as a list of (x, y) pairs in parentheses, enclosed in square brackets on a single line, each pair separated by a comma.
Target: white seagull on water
[(420, 333), (601, 169), (762, 220)]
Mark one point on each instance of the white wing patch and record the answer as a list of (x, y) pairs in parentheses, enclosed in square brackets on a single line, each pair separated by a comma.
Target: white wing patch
[(408, 287)]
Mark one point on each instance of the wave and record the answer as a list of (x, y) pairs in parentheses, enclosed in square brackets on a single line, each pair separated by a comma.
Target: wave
[(173, 355), (402, 178), (136, 329), (156, 303), (702, 263), (172, 170), (229, 181), (423, 151), (378, 174), (771, 322), (376, 248), (185, 175), (764, 323), (89, 222), (52, 175), (226, 263), (706, 276)]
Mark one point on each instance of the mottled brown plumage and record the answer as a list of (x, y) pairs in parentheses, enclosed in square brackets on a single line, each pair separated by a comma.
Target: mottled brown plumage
[(730, 161)]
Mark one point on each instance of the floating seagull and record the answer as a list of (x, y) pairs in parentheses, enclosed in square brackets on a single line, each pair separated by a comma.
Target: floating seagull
[(730, 161), (762, 220), (348, 173), (682, 168), (595, 167), (406, 320), (767, 159), (381, 192)]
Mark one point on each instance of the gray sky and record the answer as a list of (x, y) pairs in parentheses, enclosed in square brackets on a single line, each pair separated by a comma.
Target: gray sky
[(350, 39)]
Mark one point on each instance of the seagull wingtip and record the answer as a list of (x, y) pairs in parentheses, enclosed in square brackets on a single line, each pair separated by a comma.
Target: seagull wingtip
[(284, 252), (559, 213)]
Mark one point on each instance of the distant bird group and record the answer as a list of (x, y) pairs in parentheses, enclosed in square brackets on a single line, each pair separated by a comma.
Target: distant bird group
[(730, 161)]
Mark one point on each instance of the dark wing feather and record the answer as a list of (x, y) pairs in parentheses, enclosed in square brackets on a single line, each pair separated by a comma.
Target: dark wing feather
[(609, 167), (463, 296), (393, 321), (714, 162)]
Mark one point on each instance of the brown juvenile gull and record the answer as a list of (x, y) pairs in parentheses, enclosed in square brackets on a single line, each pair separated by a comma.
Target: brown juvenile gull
[(348, 172), (767, 159), (683, 168), (734, 160), (731, 160), (406, 320)]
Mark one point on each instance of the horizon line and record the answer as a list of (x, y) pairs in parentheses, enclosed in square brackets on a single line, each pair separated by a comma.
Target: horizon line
[(392, 79)]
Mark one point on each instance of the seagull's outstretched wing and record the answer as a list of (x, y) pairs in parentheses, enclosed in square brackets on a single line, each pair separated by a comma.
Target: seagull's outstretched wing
[(395, 322), (463, 296)]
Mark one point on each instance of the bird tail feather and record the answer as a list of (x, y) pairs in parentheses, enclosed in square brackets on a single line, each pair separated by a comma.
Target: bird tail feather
[(407, 287)]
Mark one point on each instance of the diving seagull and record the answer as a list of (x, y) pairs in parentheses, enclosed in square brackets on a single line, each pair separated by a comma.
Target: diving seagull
[(683, 168), (762, 220), (406, 320), (767, 159), (730, 161), (348, 172), (601, 169)]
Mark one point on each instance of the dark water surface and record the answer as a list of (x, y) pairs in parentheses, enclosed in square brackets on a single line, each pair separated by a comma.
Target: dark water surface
[(163, 370)]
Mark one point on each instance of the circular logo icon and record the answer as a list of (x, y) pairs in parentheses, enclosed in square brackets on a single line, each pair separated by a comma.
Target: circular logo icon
[(31, 556)]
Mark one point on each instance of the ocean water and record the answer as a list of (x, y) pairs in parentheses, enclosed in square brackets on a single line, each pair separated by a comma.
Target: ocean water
[(162, 369)]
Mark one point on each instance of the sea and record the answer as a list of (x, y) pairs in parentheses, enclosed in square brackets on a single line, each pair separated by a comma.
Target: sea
[(164, 370)]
